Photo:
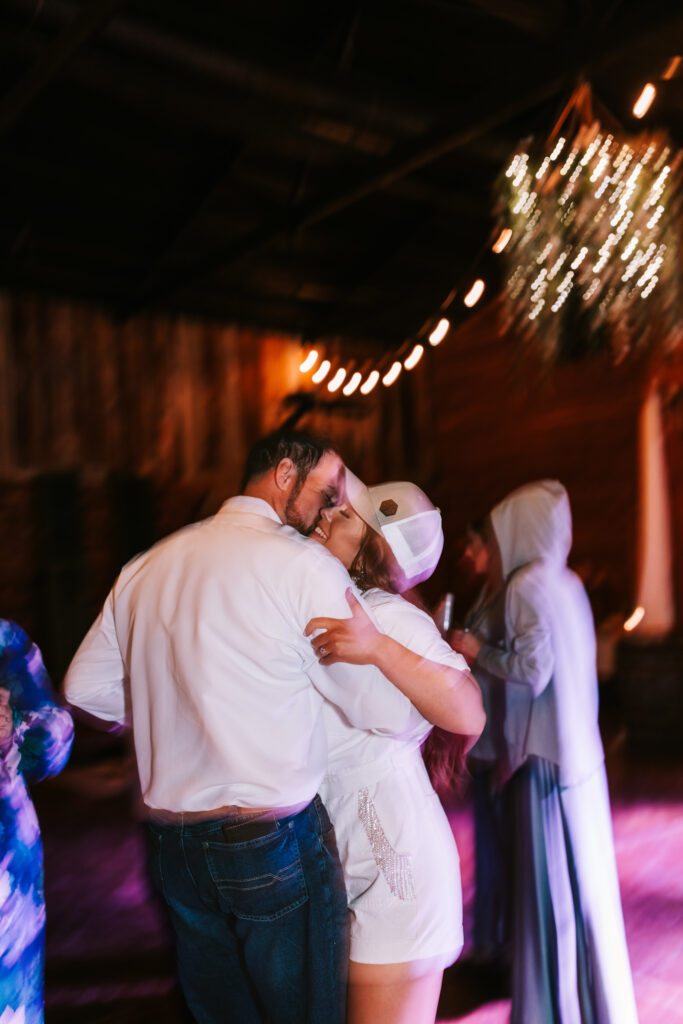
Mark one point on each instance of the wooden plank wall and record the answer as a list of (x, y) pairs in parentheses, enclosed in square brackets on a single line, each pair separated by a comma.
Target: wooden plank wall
[(500, 422), (139, 428), (112, 435)]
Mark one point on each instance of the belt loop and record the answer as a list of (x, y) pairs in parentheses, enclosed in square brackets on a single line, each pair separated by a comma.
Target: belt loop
[(320, 812)]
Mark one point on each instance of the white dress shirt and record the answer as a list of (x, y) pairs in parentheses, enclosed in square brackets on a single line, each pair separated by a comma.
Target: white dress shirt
[(200, 647)]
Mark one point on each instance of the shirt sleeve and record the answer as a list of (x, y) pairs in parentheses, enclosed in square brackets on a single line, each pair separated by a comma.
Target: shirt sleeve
[(22, 671), (528, 656), (43, 731), (414, 628), (95, 679), (365, 697), (44, 741)]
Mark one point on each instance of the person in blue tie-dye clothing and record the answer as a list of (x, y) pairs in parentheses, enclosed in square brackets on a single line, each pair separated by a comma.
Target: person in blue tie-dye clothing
[(35, 741)]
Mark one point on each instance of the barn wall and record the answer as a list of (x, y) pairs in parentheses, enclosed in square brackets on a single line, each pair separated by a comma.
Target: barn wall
[(113, 435), (501, 421)]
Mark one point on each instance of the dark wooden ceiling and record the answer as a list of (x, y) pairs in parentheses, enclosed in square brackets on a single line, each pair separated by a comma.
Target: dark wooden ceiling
[(320, 167)]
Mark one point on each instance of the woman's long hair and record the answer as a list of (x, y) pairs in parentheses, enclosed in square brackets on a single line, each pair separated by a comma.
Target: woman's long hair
[(445, 757), (374, 564), (443, 752)]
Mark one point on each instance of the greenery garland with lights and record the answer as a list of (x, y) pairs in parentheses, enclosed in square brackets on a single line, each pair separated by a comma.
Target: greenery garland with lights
[(593, 259)]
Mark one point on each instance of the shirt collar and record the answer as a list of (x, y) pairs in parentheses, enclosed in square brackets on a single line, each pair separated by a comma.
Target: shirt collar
[(255, 506)]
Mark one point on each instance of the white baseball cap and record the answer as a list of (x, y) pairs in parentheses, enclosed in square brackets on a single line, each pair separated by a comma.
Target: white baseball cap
[(408, 521)]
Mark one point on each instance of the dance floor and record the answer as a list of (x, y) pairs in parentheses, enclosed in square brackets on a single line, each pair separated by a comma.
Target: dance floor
[(108, 953)]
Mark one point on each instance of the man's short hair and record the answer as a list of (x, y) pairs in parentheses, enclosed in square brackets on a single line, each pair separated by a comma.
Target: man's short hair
[(305, 451)]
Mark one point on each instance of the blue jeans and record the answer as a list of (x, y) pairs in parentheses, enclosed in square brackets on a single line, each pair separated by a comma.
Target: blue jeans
[(261, 924)]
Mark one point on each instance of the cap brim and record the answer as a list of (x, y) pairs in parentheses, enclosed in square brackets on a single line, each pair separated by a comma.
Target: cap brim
[(358, 496)]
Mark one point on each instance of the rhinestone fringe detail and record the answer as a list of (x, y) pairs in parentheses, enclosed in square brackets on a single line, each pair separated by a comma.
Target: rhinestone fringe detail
[(397, 868)]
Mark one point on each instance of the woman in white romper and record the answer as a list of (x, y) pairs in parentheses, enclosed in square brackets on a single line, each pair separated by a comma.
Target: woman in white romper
[(399, 856)]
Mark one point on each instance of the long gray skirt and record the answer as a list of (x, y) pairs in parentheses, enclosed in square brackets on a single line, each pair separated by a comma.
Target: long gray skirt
[(569, 958)]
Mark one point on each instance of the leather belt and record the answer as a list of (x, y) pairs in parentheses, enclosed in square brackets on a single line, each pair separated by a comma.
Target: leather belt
[(159, 816)]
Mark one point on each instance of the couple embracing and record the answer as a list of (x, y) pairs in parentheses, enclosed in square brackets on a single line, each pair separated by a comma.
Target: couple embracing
[(278, 689)]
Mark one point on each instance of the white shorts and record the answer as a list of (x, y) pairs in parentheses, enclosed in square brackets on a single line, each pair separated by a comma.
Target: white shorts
[(401, 864)]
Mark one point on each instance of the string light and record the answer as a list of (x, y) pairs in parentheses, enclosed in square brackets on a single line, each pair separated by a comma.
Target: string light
[(475, 293), (502, 240), (559, 146), (634, 619), (439, 332), (391, 374), (671, 68), (414, 357), (321, 372), (352, 383), (337, 380), (369, 383), (309, 362), (644, 101), (631, 176)]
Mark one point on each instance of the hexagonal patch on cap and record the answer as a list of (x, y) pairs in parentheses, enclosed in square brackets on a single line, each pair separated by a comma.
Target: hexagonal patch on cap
[(388, 507)]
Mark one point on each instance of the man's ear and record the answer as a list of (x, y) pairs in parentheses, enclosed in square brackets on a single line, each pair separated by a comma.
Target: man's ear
[(285, 474)]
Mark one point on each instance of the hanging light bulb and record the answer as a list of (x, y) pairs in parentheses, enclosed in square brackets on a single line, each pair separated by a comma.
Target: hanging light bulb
[(439, 332), (644, 101), (502, 240), (671, 69), (634, 618), (309, 362), (370, 382), (337, 380), (391, 374), (414, 357), (321, 372), (352, 383), (475, 293)]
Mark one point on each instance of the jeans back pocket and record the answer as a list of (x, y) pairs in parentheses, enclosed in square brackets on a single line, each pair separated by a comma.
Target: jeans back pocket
[(261, 879)]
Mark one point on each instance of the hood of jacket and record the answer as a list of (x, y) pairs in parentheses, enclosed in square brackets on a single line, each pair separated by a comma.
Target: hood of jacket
[(533, 522)]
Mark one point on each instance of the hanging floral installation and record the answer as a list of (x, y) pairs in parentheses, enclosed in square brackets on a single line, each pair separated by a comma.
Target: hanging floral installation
[(593, 256)]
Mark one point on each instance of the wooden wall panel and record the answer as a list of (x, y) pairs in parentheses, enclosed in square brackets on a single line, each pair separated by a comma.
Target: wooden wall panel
[(157, 409), (671, 391), (60, 344), (8, 445), (175, 404), (500, 423), (19, 554)]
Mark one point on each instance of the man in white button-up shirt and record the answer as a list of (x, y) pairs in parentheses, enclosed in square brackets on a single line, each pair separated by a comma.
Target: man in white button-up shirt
[(200, 648)]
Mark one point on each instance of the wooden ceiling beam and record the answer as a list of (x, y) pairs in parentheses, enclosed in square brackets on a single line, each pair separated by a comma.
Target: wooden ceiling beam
[(108, 77), (459, 201), (536, 20), (306, 216), (410, 158), (205, 179), (257, 68), (283, 78), (296, 316), (90, 20)]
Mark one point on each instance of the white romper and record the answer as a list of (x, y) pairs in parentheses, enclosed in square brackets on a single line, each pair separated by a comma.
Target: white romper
[(401, 864)]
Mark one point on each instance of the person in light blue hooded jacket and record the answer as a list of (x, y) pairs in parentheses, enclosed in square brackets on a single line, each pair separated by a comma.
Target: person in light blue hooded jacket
[(569, 957)]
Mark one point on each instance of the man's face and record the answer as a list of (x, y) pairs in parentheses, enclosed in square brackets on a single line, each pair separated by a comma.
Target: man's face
[(319, 490)]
